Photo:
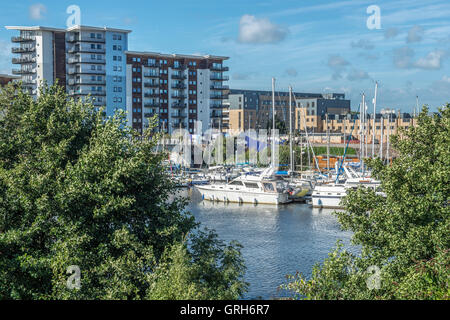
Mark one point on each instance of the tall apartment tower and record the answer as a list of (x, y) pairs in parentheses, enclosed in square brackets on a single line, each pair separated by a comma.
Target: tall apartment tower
[(40, 55), (180, 89), (85, 60)]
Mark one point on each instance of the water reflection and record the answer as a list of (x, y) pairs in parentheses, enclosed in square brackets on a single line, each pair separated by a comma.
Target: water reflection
[(277, 240)]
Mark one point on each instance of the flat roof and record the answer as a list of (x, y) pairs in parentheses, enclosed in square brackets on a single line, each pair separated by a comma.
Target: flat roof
[(34, 28), (9, 76), (174, 55), (77, 27)]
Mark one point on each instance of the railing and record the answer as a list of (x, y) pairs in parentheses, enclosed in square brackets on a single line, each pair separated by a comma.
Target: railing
[(151, 94), (151, 74), (23, 39), (151, 104), (179, 96), (179, 125), (23, 71), (149, 114), (217, 106), (215, 87), (219, 77), (23, 50), (219, 96), (23, 60), (179, 67), (179, 115), (179, 105), (179, 86), (152, 64), (151, 84), (219, 68), (180, 76)]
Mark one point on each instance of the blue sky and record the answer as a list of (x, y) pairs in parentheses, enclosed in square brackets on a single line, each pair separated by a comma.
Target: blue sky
[(315, 46)]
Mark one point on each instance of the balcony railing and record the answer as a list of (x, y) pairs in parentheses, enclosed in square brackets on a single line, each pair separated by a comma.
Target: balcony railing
[(151, 104), (23, 60), (218, 77), (215, 114), (179, 96), (219, 68), (219, 96), (180, 76), (216, 87), (217, 106), (179, 86), (151, 84), (77, 49), (85, 60), (179, 67), (179, 115), (23, 71), (178, 125), (72, 82), (151, 74), (151, 94), (23, 49), (72, 71), (149, 114), (23, 39), (152, 64), (179, 105), (87, 92)]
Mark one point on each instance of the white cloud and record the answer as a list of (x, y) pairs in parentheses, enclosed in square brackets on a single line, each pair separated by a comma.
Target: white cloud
[(362, 44), (291, 72), (415, 34), (355, 75), (259, 30), (37, 11), (432, 60)]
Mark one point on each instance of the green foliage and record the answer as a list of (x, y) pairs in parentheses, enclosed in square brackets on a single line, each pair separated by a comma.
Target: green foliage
[(78, 189), (405, 234)]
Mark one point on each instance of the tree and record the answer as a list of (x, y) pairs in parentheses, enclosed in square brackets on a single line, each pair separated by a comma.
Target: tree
[(78, 189), (403, 236)]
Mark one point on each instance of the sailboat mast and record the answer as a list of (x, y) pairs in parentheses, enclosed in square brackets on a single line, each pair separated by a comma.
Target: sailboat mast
[(290, 129), (373, 122), (273, 122)]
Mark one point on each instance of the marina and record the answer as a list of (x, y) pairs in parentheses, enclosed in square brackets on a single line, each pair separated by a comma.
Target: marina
[(277, 240)]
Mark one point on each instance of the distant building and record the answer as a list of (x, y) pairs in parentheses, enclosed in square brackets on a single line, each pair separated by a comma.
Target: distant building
[(253, 108), (7, 78)]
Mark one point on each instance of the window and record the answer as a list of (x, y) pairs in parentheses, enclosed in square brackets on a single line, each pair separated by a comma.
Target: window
[(268, 187), (99, 35), (92, 35), (236, 183), (251, 185)]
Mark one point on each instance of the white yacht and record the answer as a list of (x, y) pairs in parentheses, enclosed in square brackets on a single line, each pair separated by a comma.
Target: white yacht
[(329, 195), (264, 189)]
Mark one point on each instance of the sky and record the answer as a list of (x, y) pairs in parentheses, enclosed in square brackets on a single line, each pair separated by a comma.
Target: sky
[(314, 46)]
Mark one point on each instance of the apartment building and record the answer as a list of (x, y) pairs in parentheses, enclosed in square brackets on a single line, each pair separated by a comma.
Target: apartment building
[(84, 60), (181, 89), (342, 126), (246, 105)]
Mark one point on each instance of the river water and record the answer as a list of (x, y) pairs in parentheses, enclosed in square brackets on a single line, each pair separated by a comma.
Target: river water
[(276, 240)]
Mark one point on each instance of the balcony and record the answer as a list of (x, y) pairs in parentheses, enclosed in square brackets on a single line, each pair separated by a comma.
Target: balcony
[(23, 71), (72, 82), (217, 106), (179, 67), (23, 60), (29, 82), (178, 96), (151, 94), (215, 114), (151, 75), (218, 77), (23, 49), (178, 115), (85, 60), (151, 84), (72, 71), (179, 86), (179, 105), (216, 87), (78, 49), (149, 114), (86, 92), (180, 76), (23, 39), (219, 96), (178, 125), (151, 104), (152, 64), (219, 68)]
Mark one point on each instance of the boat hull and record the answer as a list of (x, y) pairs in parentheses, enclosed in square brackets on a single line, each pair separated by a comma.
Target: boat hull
[(242, 197)]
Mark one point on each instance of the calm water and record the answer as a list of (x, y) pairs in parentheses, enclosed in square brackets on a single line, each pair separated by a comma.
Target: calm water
[(277, 240)]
